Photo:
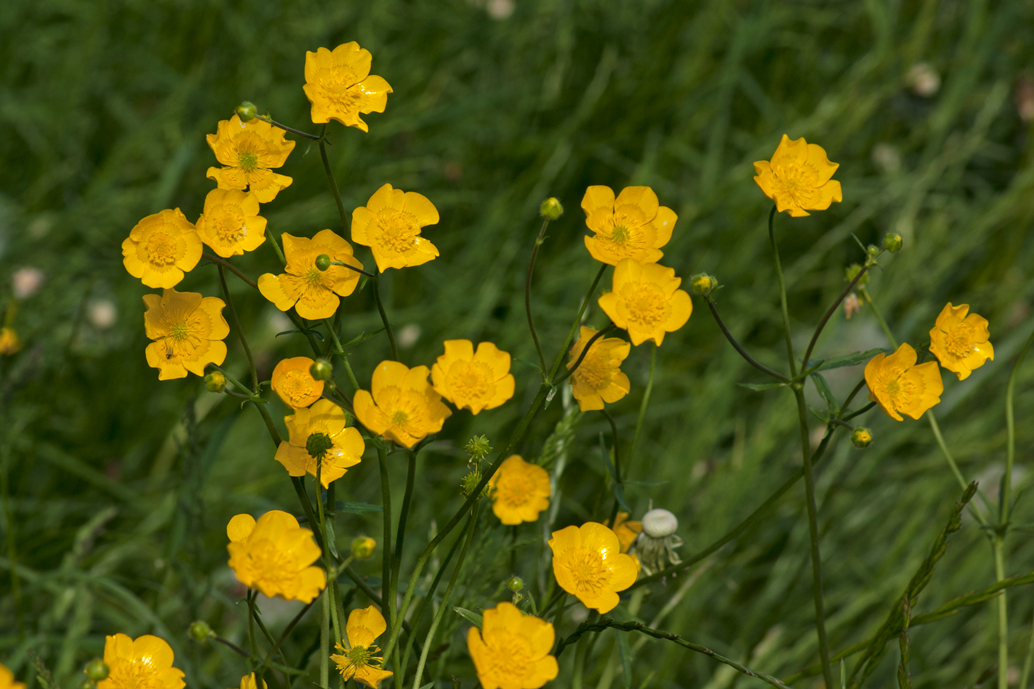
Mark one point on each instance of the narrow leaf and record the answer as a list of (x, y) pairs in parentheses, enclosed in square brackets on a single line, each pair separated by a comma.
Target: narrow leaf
[(469, 616), (757, 387)]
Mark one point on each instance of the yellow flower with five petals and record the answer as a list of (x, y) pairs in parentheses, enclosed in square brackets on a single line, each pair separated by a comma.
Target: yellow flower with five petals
[(320, 437), (634, 225), (520, 491), (188, 330), (512, 650), (359, 660), (646, 301), (390, 224), (473, 380), (161, 248), (293, 383), (588, 563), (311, 291), (899, 386), (231, 224), (339, 85), (799, 178), (142, 662), (274, 555), (598, 378), (401, 405), (248, 151), (959, 341)]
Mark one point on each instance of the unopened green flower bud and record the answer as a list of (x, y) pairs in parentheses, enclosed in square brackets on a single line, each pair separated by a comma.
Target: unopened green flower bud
[(215, 381), (87, 684), (861, 437), (515, 583), (469, 482), (96, 670), (247, 111), (551, 209), (363, 547), (851, 271), (872, 252), (892, 242), (323, 262), (321, 369), (200, 631), (703, 283), (478, 447)]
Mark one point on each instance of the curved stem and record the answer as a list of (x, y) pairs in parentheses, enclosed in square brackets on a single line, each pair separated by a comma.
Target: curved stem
[(331, 180), (1010, 426), (617, 465), (786, 313), (581, 357), (400, 532), (736, 345), (879, 317), (240, 331), (307, 135), (527, 296), (577, 321), (384, 317), (829, 314), (389, 601), (229, 266), (642, 408)]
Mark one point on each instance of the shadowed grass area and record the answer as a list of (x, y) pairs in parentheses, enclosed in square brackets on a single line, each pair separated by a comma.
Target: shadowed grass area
[(117, 488)]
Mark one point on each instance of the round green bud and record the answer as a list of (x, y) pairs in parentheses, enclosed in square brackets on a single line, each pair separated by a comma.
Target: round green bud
[(215, 381), (321, 369), (363, 547), (551, 209), (323, 262), (851, 271), (892, 242), (872, 251), (861, 437), (703, 283), (87, 684), (200, 631), (515, 583), (478, 447), (96, 670), (247, 111)]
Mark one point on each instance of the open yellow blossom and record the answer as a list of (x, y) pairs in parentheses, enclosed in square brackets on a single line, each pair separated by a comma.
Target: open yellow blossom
[(339, 85), (144, 662), (231, 224), (646, 301), (320, 434), (7, 679), (311, 291), (598, 378), (360, 660), (512, 650), (588, 563), (403, 406), (248, 150), (274, 555), (161, 248), (9, 342), (390, 225), (293, 383), (634, 225), (519, 491), (626, 530), (960, 342), (188, 330), (799, 178), (899, 386), (473, 380)]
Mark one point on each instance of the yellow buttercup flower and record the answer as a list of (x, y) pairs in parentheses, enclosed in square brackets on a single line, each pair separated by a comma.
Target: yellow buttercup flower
[(960, 342), (231, 224), (799, 178), (248, 682), (311, 291), (293, 383), (161, 248), (512, 650), (588, 563), (626, 531), (248, 150), (360, 660), (320, 434), (634, 225), (7, 679), (339, 85), (9, 342), (473, 380), (274, 555), (646, 301), (519, 491), (403, 406), (188, 330), (898, 385), (598, 378), (144, 662), (390, 225)]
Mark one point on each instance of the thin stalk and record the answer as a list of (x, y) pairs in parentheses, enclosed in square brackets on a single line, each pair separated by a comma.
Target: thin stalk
[(240, 331), (577, 321), (1003, 621), (617, 464), (400, 532), (331, 180), (1010, 425), (830, 312), (307, 135), (389, 600), (384, 317), (324, 643), (552, 601), (251, 622), (527, 296), (557, 617), (786, 313), (879, 317), (736, 345), (276, 249), (229, 266), (642, 408), (1025, 675), (581, 357)]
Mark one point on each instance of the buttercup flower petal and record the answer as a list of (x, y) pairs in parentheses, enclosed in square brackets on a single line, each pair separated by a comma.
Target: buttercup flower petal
[(339, 85), (520, 491), (161, 248), (473, 380), (663, 224), (293, 383), (189, 330), (369, 620), (643, 198), (240, 527), (598, 378), (631, 226), (960, 341), (588, 563), (7, 679), (273, 288), (597, 197), (403, 406), (510, 650), (249, 150), (798, 178), (276, 558), (646, 302), (898, 386), (313, 293), (320, 442), (153, 651), (145, 661), (230, 224), (390, 224)]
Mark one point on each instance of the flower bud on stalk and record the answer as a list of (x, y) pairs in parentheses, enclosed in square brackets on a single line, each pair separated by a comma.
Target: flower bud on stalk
[(215, 381), (704, 284), (892, 242), (321, 369), (363, 547), (96, 670), (551, 209), (515, 583), (87, 684), (323, 262), (247, 111), (861, 437), (200, 631)]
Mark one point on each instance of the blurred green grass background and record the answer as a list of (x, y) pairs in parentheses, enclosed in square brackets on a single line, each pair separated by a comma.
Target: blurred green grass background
[(117, 488)]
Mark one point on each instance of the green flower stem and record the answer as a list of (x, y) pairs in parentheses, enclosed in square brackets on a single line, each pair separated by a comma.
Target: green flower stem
[(1003, 620), (558, 616), (444, 607), (307, 135), (879, 317), (581, 357), (400, 531), (229, 266), (830, 312), (276, 248), (527, 296), (384, 317), (577, 322), (642, 408), (287, 630), (736, 345), (240, 331), (617, 465), (389, 601), (552, 601), (251, 622), (809, 477), (324, 642), (1010, 455), (351, 375), (331, 180)]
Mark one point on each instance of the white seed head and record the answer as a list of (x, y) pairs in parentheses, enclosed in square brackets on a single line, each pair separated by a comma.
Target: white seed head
[(659, 523)]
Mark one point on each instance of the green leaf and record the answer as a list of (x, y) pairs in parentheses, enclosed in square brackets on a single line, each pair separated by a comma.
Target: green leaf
[(301, 332), (761, 386), (332, 539), (361, 337), (821, 414), (469, 616), (529, 364), (850, 359), (356, 507), (823, 387), (626, 660)]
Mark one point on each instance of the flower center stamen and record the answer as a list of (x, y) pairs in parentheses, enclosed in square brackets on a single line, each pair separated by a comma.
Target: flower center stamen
[(398, 229), (317, 445), (161, 249), (247, 161), (399, 418), (959, 341)]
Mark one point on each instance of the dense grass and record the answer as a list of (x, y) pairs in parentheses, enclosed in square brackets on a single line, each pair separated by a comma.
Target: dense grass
[(117, 488)]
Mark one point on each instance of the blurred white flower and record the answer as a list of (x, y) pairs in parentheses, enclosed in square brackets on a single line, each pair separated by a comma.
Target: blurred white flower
[(26, 282), (500, 9), (408, 335), (887, 158), (102, 313), (923, 80)]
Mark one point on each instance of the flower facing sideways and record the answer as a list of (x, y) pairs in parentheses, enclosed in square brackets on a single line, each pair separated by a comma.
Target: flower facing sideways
[(188, 330), (293, 383), (960, 342), (144, 662), (320, 438), (339, 85), (231, 224), (899, 386), (634, 225), (799, 178), (512, 650), (312, 292), (248, 682), (626, 530), (646, 301), (598, 378), (588, 563), (360, 660), (274, 555), (401, 405), (390, 224), (248, 150), (519, 491), (473, 380), (161, 248)]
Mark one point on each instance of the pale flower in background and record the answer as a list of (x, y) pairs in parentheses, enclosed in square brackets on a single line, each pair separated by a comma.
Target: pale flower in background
[(26, 282), (102, 313), (851, 305), (923, 79)]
